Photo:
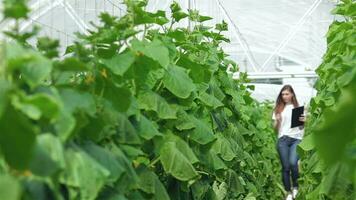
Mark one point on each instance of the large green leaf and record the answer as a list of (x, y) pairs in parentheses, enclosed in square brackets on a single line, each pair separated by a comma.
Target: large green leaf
[(199, 73), (119, 63), (65, 125), (119, 97), (147, 129), (17, 138), (150, 184), (336, 122), (4, 88), (77, 101), (9, 188), (34, 67), (38, 105), (183, 121), (223, 148), (36, 70), (210, 100), (71, 64), (129, 180), (126, 132), (182, 146), (176, 163), (149, 100), (85, 173), (178, 82), (155, 50), (213, 161), (15, 9), (202, 133), (106, 159), (48, 157)]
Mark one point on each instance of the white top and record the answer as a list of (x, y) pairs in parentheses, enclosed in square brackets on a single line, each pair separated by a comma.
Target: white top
[(285, 127)]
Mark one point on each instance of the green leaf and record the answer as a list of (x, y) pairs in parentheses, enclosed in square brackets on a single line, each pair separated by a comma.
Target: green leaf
[(127, 133), (210, 100), (78, 101), (195, 16), (220, 190), (223, 148), (36, 70), (4, 89), (119, 97), (183, 147), (34, 67), (83, 172), (175, 7), (199, 189), (212, 160), (71, 64), (175, 163), (17, 138), (154, 49), (150, 183), (15, 9), (307, 143), (48, 46), (120, 63), (149, 100), (221, 27), (179, 16), (143, 17), (198, 72), (178, 82), (65, 125), (106, 159), (48, 156), (132, 152), (346, 78), (147, 129), (9, 188), (183, 121), (202, 133), (336, 123), (38, 105)]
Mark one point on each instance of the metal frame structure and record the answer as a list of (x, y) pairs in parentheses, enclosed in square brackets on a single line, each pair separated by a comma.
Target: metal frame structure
[(249, 53), (267, 75), (45, 6), (239, 37), (292, 32)]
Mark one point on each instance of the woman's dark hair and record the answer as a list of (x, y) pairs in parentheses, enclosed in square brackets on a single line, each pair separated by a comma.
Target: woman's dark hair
[(280, 103)]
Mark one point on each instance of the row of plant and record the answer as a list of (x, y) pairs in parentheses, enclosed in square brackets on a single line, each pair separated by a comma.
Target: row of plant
[(138, 109), (329, 148)]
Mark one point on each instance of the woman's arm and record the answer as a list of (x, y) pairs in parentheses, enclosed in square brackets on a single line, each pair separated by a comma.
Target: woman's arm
[(277, 122)]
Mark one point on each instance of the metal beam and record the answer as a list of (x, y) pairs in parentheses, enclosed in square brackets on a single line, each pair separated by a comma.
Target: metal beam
[(36, 6), (73, 14), (268, 75), (231, 51), (238, 36), (292, 32)]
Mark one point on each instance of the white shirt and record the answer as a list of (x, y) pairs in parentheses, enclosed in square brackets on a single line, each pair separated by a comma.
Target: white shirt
[(285, 127)]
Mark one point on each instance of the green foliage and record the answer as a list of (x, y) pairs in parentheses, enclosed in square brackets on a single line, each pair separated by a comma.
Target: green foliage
[(132, 112), (329, 148)]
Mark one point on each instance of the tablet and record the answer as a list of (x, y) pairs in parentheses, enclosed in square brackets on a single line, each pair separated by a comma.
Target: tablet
[(296, 113)]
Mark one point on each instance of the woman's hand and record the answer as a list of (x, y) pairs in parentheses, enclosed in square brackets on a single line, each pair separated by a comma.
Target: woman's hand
[(302, 118)]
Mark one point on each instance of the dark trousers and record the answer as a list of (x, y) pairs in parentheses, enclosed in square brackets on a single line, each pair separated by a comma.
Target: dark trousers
[(287, 150)]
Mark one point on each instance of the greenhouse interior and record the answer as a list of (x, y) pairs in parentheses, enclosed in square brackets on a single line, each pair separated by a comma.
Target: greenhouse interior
[(178, 99)]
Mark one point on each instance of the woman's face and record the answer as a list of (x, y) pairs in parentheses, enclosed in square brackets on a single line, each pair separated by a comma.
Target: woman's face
[(287, 96)]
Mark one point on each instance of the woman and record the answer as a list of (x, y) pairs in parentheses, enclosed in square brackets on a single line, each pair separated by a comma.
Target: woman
[(288, 139)]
